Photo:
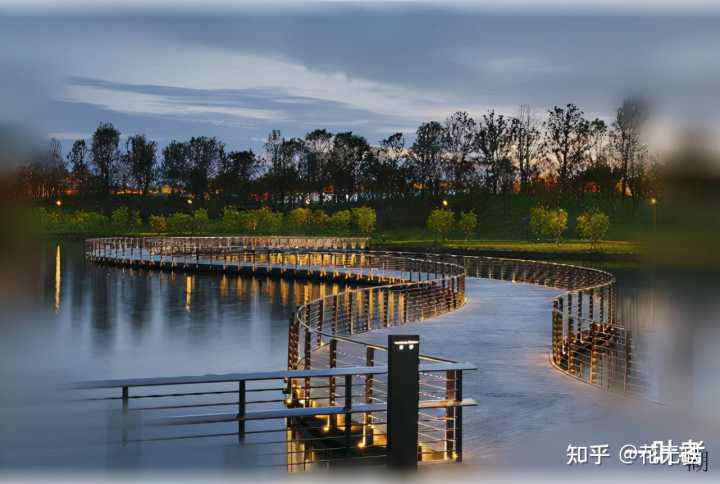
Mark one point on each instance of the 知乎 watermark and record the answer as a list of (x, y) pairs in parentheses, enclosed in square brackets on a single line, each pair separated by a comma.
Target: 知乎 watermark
[(689, 453)]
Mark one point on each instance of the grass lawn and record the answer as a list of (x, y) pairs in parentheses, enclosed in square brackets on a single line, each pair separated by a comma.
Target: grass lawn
[(419, 238)]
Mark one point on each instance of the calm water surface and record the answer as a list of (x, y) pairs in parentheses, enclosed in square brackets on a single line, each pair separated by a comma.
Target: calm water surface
[(92, 321)]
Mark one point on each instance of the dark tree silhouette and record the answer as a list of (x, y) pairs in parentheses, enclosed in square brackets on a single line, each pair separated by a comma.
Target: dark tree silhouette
[(105, 155), (237, 170), (141, 157), (495, 137), (203, 156), (626, 136), (459, 144), (528, 139), (175, 166), (567, 139), (426, 157), (78, 161)]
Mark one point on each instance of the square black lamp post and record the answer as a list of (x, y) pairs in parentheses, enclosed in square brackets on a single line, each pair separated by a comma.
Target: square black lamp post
[(403, 399)]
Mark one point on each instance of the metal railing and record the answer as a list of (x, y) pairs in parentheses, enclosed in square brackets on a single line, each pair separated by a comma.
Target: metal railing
[(587, 341), (333, 429), (403, 290)]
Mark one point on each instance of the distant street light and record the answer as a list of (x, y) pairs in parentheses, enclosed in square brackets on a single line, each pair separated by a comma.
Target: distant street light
[(445, 203), (653, 203), (58, 203), (189, 201)]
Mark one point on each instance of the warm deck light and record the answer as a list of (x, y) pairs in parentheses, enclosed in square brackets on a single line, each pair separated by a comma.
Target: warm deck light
[(58, 203)]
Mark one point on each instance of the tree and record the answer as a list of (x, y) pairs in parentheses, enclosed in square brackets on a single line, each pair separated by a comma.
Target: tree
[(236, 172), (349, 153), (459, 142), (527, 146), (538, 222), (364, 219), (105, 154), (387, 175), (158, 224), (494, 142), (557, 223), (546, 222), (203, 156), (440, 222), (468, 223), (282, 155), (175, 166), (340, 221), (426, 157), (598, 135), (567, 139), (318, 145), (78, 161), (593, 225), (298, 219), (141, 159), (626, 134)]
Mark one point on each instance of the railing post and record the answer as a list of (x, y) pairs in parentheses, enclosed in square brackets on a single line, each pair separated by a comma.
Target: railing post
[(348, 413), (241, 410), (125, 402), (458, 416), (321, 320), (333, 387), (450, 396), (369, 380), (307, 365)]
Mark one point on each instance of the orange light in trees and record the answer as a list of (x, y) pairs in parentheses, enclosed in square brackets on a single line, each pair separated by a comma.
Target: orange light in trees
[(58, 203), (444, 203)]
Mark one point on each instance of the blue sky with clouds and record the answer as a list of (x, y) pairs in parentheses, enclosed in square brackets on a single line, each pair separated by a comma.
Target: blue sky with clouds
[(238, 71)]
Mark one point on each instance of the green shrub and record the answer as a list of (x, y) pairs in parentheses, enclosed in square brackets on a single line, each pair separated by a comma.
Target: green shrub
[(298, 219), (121, 219), (268, 222), (538, 222), (440, 222), (180, 223), (340, 222), (548, 223), (557, 223), (230, 220), (319, 220), (468, 223), (158, 224), (85, 222), (248, 221), (593, 225), (364, 219), (201, 221)]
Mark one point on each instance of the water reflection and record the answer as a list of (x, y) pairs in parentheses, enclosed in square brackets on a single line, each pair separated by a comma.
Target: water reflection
[(104, 322)]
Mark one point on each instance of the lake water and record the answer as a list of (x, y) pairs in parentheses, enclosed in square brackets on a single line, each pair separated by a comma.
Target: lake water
[(88, 321)]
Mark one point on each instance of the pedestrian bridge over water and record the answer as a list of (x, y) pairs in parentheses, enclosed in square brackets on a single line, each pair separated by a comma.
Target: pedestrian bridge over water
[(513, 319)]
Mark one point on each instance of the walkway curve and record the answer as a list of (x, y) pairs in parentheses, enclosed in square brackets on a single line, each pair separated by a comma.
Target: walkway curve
[(337, 330)]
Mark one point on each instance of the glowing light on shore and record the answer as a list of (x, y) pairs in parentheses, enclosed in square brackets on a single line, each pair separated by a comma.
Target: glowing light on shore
[(58, 278)]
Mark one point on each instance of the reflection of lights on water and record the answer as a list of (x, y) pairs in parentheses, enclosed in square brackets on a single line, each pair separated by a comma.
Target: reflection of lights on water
[(188, 293), (224, 286), (58, 278)]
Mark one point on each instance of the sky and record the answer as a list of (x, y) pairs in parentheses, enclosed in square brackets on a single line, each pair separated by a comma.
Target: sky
[(238, 70)]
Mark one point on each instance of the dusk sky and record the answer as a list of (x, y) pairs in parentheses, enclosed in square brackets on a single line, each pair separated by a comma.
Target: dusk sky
[(236, 72)]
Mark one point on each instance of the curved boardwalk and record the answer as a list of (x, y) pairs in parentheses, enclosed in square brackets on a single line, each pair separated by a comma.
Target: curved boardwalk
[(503, 328)]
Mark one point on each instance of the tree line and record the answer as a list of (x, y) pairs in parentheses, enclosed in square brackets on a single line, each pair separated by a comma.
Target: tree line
[(565, 153)]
